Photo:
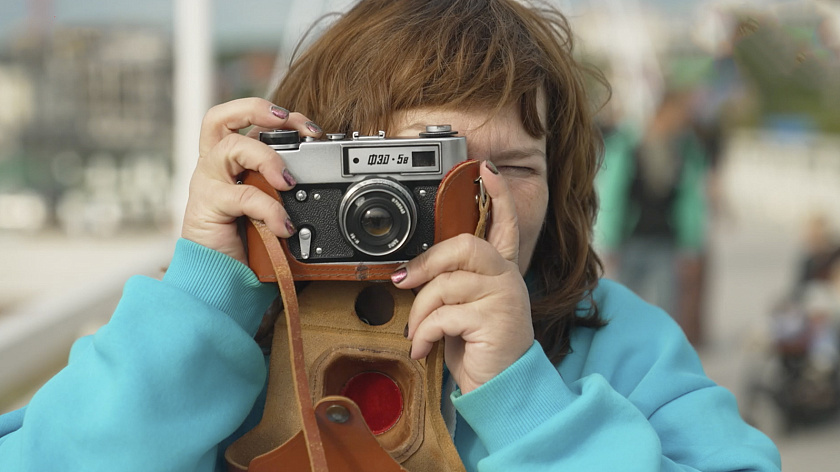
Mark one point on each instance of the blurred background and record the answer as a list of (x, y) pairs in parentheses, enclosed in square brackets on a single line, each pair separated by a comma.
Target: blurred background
[(720, 188)]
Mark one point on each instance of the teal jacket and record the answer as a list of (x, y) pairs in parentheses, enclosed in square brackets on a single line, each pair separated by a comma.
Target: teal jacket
[(617, 216), (175, 375)]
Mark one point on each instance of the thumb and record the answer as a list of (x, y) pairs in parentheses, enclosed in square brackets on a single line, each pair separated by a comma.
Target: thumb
[(503, 231)]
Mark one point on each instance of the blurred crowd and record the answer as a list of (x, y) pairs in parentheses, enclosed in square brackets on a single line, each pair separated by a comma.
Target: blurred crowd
[(660, 193), (660, 183)]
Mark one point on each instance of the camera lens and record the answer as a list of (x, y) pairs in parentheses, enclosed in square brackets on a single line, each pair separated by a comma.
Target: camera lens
[(377, 221), (377, 216)]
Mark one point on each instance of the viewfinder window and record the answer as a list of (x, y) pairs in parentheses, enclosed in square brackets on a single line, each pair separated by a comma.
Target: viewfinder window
[(422, 159)]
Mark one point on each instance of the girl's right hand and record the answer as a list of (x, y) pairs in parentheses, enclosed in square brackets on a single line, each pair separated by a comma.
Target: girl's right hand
[(215, 200)]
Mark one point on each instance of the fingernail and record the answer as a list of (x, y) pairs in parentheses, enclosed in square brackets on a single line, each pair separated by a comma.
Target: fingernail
[(290, 227), (409, 350), (492, 167), (405, 332), (313, 127), (399, 275), (287, 176), (279, 112)]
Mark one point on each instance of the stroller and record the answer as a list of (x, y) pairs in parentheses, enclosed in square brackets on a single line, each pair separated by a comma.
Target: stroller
[(793, 386)]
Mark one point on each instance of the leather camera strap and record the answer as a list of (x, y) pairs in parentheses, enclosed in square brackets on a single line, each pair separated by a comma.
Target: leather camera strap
[(311, 433), (483, 210)]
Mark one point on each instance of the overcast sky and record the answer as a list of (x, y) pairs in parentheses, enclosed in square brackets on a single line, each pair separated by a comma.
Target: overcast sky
[(249, 20), (265, 21)]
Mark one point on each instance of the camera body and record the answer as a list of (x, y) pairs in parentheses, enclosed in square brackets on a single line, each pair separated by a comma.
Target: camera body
[(364, 200)]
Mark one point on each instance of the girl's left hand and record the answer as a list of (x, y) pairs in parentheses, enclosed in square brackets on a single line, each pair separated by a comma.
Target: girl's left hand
[(474, 296)]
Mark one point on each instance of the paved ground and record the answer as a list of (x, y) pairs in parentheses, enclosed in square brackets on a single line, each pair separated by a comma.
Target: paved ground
[(749, 269), (47, 262)]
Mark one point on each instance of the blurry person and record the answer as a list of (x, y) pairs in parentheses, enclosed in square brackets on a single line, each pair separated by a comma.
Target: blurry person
[(652, 220), (818, 248), (555, 368)]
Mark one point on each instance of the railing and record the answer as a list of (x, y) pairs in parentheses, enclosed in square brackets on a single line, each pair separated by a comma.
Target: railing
[(35, 337), (783, 178)]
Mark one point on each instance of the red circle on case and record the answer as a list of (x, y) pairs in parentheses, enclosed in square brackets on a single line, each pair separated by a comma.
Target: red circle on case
[(379, 398)]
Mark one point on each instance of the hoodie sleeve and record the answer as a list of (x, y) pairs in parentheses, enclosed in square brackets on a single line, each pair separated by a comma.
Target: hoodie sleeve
[(174, 372), (632, 397)]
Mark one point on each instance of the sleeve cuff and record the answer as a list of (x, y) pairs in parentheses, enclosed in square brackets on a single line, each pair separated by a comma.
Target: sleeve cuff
[(220, 281), (500, 413)]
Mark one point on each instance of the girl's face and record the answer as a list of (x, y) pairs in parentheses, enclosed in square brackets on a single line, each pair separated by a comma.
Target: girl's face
[(502, 140)]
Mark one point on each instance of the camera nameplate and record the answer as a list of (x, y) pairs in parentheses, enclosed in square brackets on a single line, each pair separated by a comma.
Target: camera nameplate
[(400, 160)]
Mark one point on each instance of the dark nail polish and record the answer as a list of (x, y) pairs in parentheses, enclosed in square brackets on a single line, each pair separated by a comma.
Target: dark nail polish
[(287, 176), (409, 350), (492, 167), (290, 227), (313, 127), (399, 275), (279, 112), (405, 332)]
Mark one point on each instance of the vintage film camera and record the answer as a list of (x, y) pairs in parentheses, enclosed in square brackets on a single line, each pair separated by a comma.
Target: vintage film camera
[(364, 202), (362, 206)]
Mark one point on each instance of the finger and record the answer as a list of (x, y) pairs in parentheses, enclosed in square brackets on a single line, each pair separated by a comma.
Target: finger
[(234, 201), (237, 153), (503, 232), (230, 117), (463, 252), (449, 288), (449, 320)]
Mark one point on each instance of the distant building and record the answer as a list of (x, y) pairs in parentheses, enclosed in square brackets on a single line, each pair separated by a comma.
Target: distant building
[(91, 123), (89, 83)]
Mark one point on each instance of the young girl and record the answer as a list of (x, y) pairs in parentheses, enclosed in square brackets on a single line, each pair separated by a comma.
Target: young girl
[(556, 369)]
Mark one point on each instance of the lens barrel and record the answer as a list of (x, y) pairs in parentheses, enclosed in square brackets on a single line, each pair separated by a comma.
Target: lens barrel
[(377, 216)]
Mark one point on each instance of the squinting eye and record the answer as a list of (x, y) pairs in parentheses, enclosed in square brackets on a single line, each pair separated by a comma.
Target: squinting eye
[(517, 171)]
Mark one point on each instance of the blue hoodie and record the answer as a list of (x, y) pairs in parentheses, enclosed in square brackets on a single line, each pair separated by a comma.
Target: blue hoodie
[(175, 376)]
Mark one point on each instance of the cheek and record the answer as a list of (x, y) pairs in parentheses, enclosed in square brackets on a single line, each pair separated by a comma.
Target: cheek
[(531, 203)]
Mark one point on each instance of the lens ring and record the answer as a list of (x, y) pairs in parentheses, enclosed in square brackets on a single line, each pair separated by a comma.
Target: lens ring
[(379, 193)]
